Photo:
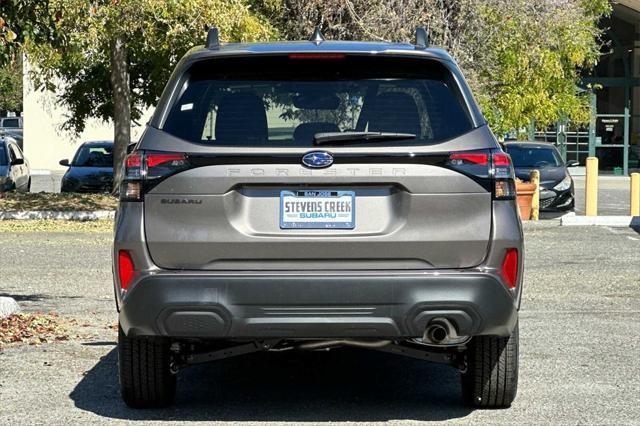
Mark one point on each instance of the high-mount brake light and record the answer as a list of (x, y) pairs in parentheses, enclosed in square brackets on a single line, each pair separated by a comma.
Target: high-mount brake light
[(142, 170), (318, 56)]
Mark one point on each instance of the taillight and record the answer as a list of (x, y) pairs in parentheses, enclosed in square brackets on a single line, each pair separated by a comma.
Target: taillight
[(460, 158), (125, 269), (155, 160), (472, 163), (142, 170), (510, 267), (504, 185), (492, 167)]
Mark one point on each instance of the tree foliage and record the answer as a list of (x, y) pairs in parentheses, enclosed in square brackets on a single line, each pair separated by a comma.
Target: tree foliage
[(11, 86), (21, 20), (155, 33), (522, 58)]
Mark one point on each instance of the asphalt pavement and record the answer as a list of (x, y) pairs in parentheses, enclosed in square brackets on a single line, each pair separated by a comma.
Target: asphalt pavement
[(579, 325), (613, 195)]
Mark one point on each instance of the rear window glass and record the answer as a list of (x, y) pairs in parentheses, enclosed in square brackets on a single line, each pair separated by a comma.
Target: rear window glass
[(279, 101), (534, 156), (94, 156), (11, 122)]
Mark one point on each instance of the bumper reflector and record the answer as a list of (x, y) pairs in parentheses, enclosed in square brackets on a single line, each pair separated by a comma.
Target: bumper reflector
[(510, 267), (125, 269)]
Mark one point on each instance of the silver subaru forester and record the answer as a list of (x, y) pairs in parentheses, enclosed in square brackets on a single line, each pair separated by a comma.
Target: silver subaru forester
[(316, 195)]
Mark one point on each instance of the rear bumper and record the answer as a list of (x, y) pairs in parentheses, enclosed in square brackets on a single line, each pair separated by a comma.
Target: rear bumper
[(199, 305)]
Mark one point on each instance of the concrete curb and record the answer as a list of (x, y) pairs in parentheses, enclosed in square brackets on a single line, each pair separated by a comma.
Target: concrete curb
[(58, 215), (612, 221), (538, 224)]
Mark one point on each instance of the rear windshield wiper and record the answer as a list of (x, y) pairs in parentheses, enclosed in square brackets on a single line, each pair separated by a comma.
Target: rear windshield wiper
[(358, 137)]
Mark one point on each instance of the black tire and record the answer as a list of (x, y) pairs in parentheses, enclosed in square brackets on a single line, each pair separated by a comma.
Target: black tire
[(145, 378), (29, 185), (491, 378)]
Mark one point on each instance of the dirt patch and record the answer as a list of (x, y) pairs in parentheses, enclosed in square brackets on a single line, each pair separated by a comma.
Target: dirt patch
[(32, 329), (56, 226), (17, 201)]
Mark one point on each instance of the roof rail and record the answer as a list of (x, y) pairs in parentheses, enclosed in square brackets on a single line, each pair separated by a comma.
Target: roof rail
[(422, 38), (213, 40), (317, 36)]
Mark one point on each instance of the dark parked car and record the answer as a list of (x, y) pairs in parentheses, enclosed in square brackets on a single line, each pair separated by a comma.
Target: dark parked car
[(317, 195), (556, 184), (14, 168), (91, 169)]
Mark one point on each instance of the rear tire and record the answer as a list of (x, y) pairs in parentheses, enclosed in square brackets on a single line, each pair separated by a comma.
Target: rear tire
[(491, 378), (145, 378)]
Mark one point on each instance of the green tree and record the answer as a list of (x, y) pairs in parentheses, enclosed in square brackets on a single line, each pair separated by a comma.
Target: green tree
[(536, 53), (522, 58), (111, 58), (19, 19), (11, 86)]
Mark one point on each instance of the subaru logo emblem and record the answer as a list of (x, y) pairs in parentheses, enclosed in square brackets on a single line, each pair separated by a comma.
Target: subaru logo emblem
[(317, 159)]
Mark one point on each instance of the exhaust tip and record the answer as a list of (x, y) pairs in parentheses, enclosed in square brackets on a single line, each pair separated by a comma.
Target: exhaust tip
[(440, 331), (436, 333)]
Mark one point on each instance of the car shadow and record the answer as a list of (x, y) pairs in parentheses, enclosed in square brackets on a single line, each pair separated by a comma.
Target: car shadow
[(547, 215), (24, 297), (340, 385)]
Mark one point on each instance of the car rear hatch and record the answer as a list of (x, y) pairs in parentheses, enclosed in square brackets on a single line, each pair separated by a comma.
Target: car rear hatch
[(234, 181)]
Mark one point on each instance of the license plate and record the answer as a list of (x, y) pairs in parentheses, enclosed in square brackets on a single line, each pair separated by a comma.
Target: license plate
[(317, 209)]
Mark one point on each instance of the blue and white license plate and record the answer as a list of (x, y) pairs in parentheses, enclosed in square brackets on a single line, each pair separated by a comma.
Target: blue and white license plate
[(317, 209)]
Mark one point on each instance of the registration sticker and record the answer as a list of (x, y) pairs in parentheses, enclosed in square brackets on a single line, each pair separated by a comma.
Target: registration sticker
[(317, 209)]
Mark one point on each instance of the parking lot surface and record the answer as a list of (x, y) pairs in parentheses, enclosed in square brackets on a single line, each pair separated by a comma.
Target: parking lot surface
[(613, 195), (580, 341)]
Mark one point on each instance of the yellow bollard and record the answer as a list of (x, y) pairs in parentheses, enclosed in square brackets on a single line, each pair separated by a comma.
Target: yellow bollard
[(591, 187), (535, 201), (635, 194)]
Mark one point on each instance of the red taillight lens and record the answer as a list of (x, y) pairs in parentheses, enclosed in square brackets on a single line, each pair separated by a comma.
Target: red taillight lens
[(510, 267), (472, 163), (501, 159), (461, 158), (125, 269), (133, 160), (154, 160), (133, 166), (503, 176), (142, 170)]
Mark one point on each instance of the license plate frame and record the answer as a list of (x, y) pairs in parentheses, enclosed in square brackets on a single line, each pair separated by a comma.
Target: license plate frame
[(336, 219)]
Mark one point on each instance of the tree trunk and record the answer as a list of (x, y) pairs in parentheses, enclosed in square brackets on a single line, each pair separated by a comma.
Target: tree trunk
[(121, 108)]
